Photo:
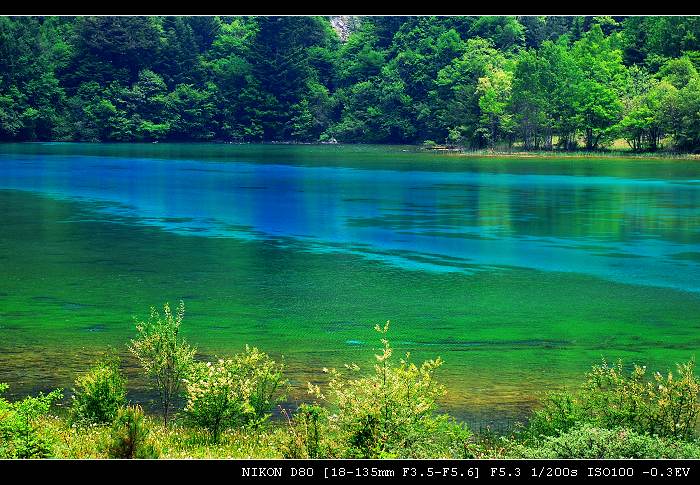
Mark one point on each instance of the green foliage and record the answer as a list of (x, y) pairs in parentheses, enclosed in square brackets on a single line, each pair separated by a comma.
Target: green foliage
[(99, 393), (541, 82), (507, 33), (308, 437), (665, 406), (164, 355), (591, 442), (130, 435), (392, 412), (20, 435), (560, 413), (494, 91), (233, 392)]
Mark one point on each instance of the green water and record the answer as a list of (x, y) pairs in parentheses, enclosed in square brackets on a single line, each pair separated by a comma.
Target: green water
[(518, 273)]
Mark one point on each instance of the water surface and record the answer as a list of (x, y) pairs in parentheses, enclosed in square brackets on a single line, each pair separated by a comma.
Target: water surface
[(519, 272)]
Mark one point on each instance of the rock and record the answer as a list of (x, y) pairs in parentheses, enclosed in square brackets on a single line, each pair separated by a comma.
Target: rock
[(344, 25)]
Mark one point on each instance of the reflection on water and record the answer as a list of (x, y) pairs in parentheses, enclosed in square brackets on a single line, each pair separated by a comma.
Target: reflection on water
[(520, 273), (623, 229)]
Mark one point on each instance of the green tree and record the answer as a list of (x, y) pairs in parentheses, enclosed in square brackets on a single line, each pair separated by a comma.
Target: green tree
[(163, 354), (507, 33), (597, 103), (456, 97), (193, 115), (494, 91)]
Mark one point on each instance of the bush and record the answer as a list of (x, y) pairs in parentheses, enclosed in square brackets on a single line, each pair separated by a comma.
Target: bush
[(666, 406), (233, 392), (164, 355), (663, 405), (99, 393), (391, 412), (265, 380), (561, 411), (129, 436), (308, 433), (591, 442), (20, 436)]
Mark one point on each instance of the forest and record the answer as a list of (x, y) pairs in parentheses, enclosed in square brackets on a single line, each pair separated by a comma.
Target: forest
[(532, 82)]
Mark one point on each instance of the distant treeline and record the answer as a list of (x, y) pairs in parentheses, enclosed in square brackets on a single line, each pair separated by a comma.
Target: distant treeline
[(477, 82)]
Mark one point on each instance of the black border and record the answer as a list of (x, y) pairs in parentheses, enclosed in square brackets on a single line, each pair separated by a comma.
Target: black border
[(90, 471), (329, 471)]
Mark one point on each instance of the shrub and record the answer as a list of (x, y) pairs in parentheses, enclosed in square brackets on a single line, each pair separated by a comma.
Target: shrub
[(233, 392), (265, 380), (592, 442), (392, 412), (216, 398), (445, 437), (308, 433), (560, 412), (129, 436), (20, 436), (164, 355), (662, 405), (99, 393)]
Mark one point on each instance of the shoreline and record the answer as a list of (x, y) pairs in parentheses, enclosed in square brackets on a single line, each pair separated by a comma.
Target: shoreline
[(558, 155), (460, 152)]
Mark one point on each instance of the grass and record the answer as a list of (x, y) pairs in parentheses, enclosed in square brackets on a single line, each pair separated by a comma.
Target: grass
[(268, 442), (175, 441)]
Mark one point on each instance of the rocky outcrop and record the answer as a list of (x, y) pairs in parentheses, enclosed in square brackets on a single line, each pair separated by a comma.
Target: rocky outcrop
[(344, 25)]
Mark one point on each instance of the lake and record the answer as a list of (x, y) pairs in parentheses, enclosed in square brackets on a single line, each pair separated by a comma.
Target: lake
[(519, 273)]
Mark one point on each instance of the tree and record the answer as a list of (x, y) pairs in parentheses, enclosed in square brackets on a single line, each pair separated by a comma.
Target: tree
[(572, 80), (163, 354), (193, 112), (281, 64), (678, 72), (648, 114), (530, 100), (455, 96), (113, 48), (505, 32), (687, 132), (596, 96), (494, 96)]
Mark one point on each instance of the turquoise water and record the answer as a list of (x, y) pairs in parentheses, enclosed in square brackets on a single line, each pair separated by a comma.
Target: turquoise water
[(520, 273)]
